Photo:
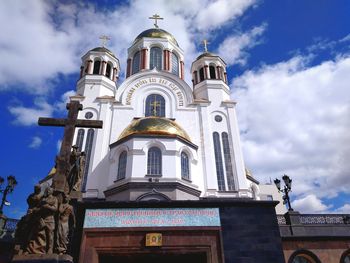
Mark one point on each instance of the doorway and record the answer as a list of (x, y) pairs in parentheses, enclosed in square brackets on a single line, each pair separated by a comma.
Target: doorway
[(154, 258)]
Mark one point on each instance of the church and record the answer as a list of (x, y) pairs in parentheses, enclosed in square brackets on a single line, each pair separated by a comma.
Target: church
[(165, 177)]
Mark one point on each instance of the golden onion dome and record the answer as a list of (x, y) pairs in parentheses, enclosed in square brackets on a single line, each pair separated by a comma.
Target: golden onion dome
[(157, 33), (154, 126)]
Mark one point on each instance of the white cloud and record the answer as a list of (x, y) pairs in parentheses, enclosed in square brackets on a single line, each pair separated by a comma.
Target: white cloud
[(345, 209), (29, 116), (295, 119), (34, 54), (309, 204), (233, 48), (36, 142), (61, 105)]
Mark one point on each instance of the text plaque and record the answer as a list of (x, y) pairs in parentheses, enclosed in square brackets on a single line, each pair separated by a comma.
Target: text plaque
[(151, 217)]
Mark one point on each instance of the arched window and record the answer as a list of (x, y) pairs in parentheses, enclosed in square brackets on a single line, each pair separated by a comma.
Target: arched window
[(154, 161), (228, 162), (122, 165), (97, 65), (185, 167), (174, 64), (345, 258), (88, 149), (80, 139), (201, 74), (212, 72), (136, 63), (155, 58), (108, 70), (218, 162), (303, 256), (155, 106)]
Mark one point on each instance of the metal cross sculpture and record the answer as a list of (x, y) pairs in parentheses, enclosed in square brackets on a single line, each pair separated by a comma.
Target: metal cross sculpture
[(59, 182), (156, 17), (104, 40), (154, 106), (205, 43)]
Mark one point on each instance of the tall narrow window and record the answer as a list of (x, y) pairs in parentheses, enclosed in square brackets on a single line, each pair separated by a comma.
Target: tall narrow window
[(174, 64), (212, 72), (201, 74), (122, 165), (108, 70), (218, 162), (185, 169), (136, 63), (155, 106), (88, 149), (97, 65), (228, 161), (154, 161), (80, 139), (155, 58)]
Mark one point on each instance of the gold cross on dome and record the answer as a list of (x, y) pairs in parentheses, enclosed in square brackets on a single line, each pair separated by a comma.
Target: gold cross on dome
[(205, 43), (154, 106), (156, 17), (104, 40)]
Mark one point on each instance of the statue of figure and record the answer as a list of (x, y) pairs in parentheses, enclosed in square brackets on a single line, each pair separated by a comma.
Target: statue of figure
[(77, 165), (66, 213), (24, 226), (42, 238)]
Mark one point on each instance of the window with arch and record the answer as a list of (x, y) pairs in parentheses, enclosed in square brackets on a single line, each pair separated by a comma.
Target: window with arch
[(212, 72), (122, 165), (345, 257), (228, 161), (185, 166), (155, 58), (155, 106), (97, 65), (154, 161), (174, 64), (201, 74), (108, 70), (303, 256), (80, 139), (136, 62), (218, 162), (88, 149)]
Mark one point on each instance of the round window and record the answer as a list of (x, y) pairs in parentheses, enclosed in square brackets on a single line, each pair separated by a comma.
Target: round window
[(218, 118), (89, 115)]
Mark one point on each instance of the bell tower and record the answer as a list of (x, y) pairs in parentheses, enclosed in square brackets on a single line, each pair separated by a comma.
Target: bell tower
[(99, 73)]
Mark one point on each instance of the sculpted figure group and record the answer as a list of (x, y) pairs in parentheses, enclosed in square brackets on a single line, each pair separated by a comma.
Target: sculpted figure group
[(46, 227)]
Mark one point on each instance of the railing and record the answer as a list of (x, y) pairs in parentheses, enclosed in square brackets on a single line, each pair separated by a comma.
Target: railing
[(319, 219), (10, 224)]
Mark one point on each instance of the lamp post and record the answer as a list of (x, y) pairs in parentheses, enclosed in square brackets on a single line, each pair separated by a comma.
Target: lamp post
[(11, 183), (286, 189)]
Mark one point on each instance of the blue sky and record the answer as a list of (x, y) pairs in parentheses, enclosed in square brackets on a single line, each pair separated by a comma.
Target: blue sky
[(288, 68)]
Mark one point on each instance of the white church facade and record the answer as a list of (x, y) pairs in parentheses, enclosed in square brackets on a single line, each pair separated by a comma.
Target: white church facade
[(162, 138)]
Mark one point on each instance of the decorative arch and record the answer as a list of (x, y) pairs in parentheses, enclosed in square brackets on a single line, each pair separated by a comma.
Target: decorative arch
[(301, 254), (154, 195), (345, 258)]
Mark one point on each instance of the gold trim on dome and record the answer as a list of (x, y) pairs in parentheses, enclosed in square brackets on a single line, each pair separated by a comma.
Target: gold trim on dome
[(154, 126), (157, 33)]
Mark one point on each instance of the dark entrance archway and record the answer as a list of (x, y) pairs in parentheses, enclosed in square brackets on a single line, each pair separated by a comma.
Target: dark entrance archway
[(155, 258)]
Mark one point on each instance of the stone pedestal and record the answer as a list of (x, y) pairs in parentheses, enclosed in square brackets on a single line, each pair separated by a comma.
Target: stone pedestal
[(53, 258)]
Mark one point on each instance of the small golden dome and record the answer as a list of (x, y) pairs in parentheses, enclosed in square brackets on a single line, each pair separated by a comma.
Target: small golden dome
[(154, 126), (157, 33)]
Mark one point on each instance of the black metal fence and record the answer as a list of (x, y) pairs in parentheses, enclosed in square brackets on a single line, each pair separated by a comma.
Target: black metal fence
[(319, 219)]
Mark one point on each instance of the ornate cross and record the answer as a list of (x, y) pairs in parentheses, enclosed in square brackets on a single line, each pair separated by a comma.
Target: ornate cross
[(156, 17), (205, 43), (59, 182), (104, 40), (154, 106)]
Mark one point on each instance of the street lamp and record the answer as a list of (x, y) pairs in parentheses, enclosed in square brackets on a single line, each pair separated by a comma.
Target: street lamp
[(11, 183), (286, 189)]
